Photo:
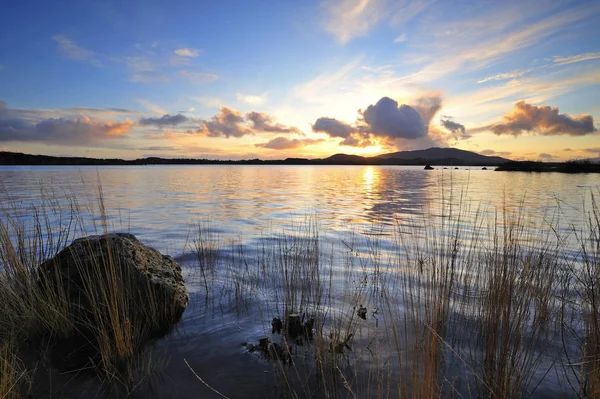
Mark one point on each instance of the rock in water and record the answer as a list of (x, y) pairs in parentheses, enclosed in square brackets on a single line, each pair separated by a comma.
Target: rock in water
[(114, 280), (362, 312), (428, 167), (276, 325)]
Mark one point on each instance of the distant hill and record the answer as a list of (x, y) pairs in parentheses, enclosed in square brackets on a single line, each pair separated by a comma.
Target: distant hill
[(432, 156), (435, 155)]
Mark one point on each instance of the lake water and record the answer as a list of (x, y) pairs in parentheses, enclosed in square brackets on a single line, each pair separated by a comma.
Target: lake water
[(358, 210)]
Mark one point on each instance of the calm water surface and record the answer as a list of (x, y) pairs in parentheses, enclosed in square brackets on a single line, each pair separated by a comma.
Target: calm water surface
[(160, 203), (163, 204)]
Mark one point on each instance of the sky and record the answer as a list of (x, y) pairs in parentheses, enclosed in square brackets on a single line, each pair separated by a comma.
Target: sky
[(277, 79)]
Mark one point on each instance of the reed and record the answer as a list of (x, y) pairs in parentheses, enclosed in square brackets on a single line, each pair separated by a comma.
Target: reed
[(468, 302), (35, 307)]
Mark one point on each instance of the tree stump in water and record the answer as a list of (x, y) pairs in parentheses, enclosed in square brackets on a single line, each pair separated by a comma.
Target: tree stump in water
[(294, 326)]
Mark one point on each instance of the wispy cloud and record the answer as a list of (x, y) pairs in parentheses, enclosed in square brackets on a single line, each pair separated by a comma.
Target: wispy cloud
[(195, 77), (149, 77), (209, 102), (475, 54), (140, 64), (68, 48), (556, 61), (575, 58), (400, 39), (348, 19), (284, 143), (179, 61), (493, 100), (187, 52), (152, 107), (496, 153), (507, 75)]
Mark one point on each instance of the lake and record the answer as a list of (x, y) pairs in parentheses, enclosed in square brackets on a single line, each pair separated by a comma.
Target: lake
[(365, 217)]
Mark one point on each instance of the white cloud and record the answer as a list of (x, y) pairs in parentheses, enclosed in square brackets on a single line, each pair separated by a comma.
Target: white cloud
[(187, 52), (250, 99)]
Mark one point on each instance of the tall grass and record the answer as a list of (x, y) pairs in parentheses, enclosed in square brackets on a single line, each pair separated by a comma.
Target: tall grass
[(104, 328), (469, 302), (467, 306)]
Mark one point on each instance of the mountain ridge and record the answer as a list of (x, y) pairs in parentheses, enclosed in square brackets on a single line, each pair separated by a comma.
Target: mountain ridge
[(433, 156)]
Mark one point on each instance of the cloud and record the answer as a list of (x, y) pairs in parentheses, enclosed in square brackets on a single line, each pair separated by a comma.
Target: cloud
[(388, 124), (546, 156), (542, 120), (496, 153), (209, 102), (507, 75), (283, 143), (387, 119), (68, 48), (165, 120), (333, 127), (140, 64), (198, 77), (557, 61), (400, 39), (568, 150), (593, 150), (262, 122), (358, 140), (187, 52), (250, 99), (477, 45), (76, 131), (427, 106), (149, 77), (66, 126), (575, 58), (152, 107), (231, 123), (348, 19), (180, 61), (228, 123), (453, 127), (156, 148), (352, 18)]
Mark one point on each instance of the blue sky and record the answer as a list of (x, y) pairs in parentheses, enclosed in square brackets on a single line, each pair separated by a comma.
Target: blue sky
[(245, 79)]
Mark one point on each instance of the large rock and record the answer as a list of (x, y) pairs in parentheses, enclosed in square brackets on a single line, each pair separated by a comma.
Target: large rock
[(113, 284)]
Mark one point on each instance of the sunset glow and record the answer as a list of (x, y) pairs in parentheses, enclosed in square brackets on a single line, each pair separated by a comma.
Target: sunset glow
[(303, 79)]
